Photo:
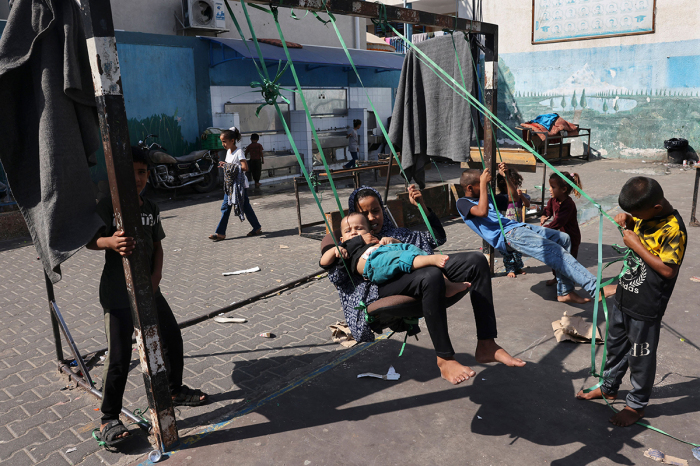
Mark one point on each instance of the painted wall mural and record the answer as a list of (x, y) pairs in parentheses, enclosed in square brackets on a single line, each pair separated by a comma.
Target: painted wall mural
[(557, 20), (633, 97)]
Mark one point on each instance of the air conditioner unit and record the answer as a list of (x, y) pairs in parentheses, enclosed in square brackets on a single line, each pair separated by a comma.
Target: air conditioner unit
[(204, 14)]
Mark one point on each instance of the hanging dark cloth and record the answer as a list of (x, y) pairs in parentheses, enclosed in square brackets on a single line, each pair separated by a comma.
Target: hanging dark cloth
[(429, 118), (234, 187), (48, 126)]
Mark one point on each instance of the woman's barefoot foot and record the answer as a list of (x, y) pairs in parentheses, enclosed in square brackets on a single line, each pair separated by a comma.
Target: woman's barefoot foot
[(452, 288), (520, 272), (627, 417), (572, 297), (511, 275), (454, 372), (551, 282), (489, 351), (596, 394)]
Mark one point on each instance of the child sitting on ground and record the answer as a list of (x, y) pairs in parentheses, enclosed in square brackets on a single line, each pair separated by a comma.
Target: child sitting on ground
[(656, 233), (545, 245), (508, 184), (119, 326), (563, 209), (379, 261)]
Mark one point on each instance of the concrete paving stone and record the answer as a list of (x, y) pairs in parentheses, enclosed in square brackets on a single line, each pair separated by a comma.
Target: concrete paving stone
[(21, 427), (34, 407), (5, 435), (34, 436), (20, 458), (15, 413), (58, 459), (76, 420), (67, 439)]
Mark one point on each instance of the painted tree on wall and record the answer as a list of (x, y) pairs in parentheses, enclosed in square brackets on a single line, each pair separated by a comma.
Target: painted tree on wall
[(573, 100), (605, 106), (583, 99), (563, 102), (616, 107)]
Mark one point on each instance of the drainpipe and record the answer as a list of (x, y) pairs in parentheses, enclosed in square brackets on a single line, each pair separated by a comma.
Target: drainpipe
[(358, 42), (408, 28)]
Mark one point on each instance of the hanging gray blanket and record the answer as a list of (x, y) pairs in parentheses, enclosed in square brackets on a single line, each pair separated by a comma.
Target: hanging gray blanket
[(234, 186), (429, 118), (48, 126)]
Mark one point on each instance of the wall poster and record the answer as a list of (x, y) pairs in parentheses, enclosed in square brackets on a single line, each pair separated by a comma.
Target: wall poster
[(562, 20)]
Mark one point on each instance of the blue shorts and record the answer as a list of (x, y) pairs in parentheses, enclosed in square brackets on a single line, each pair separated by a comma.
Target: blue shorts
[(391, 260)]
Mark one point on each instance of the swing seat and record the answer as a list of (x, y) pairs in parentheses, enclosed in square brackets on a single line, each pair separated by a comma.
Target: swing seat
[(386, 311)]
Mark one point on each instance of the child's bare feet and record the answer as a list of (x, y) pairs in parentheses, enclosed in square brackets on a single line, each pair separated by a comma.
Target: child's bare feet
[(551, 282), (596, 394), (572, 297), (437, 260), (452, 288), (454, 372), (514, 274), (489, 351), (627, 417), (511, 274)]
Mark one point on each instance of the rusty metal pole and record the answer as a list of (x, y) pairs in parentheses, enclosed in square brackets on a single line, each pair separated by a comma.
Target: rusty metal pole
[(491, 102), (102, 50), (694, 221), (54, 322)]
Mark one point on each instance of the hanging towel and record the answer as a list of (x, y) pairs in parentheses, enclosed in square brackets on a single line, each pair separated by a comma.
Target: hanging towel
[(48, 126), (429, 118)]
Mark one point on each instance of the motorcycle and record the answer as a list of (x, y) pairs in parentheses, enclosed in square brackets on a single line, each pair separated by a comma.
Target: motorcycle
[(198, 169)]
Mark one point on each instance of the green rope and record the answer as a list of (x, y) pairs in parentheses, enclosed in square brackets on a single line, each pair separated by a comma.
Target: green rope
[(275, 14), (262, 71), (478, 144), (379, 120)]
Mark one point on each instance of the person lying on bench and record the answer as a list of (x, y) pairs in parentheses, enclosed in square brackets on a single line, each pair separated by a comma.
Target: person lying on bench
[(380, 261)]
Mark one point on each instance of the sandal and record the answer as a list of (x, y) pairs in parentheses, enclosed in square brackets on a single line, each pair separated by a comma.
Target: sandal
[(190, 397), (257, 232), (108, 436)]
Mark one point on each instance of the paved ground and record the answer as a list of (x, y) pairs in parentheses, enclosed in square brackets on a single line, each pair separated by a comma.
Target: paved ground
[(505, 416)]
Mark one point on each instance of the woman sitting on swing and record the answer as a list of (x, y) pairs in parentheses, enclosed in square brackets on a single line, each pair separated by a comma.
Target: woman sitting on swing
[(427, 285)]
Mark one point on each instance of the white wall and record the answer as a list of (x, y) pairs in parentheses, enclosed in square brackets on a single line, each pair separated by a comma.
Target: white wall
[(676, 20), (158, 17)]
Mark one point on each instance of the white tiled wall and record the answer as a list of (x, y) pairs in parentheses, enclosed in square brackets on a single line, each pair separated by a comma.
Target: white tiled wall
[(301, 132), (381, 98)]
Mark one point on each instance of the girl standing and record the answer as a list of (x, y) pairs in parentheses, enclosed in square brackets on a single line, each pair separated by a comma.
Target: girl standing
[(235, 162), (563, 209)]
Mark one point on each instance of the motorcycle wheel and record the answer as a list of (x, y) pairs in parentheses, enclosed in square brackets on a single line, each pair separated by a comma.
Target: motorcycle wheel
[(208, 183)]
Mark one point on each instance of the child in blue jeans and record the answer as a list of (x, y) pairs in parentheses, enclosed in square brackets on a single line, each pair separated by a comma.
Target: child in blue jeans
[(549, 246), (380, 261)]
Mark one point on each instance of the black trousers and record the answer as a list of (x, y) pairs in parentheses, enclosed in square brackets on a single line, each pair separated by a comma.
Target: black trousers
[(428, 285), (632, 344), (255, 166), (119, 327)]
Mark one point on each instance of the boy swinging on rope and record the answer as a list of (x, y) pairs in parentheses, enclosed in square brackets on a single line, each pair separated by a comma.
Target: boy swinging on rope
[(655, 232), (546, 245)]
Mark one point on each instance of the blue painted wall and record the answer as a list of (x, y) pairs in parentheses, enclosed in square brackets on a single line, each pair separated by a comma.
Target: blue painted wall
[(635, 97), (167, 79)]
